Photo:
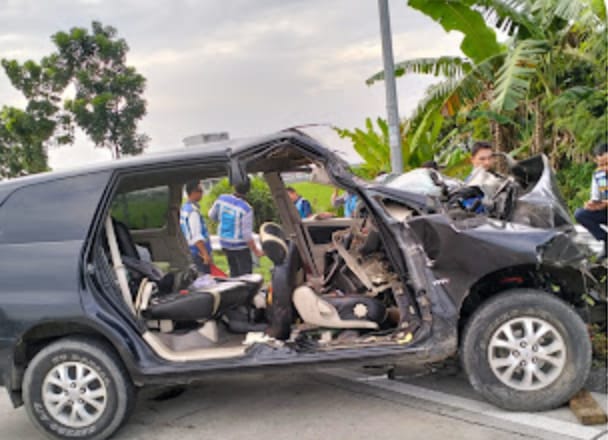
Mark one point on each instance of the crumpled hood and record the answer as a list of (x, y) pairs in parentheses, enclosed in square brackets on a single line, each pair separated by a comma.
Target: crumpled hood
[(541, 204)]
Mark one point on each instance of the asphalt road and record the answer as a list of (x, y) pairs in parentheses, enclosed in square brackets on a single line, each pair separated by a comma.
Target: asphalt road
[(327, 404)]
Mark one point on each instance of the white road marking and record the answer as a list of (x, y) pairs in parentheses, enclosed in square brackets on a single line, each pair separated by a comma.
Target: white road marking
[(533, 420)]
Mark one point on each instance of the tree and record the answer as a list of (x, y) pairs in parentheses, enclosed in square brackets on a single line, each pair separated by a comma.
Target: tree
[(372, 144), (25, 134), (22, 138), (107, 105), (108, 102), (543, 91), (520, 80)]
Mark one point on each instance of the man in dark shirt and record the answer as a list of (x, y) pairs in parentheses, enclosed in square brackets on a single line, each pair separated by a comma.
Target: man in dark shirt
[(594, 214)]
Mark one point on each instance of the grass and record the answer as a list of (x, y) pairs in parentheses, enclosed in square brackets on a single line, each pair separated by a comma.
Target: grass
[(221, 261), (318, 195)]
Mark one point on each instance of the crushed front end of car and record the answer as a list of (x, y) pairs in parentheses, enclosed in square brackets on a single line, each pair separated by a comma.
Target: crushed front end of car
[(518, 233)]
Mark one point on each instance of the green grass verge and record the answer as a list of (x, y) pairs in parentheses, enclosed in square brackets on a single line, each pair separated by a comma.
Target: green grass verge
[(318, 195), (220, 260)]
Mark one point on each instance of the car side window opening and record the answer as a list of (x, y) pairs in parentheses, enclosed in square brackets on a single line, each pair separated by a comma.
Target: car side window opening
[(142, 209), (335, 273), (354, 278)]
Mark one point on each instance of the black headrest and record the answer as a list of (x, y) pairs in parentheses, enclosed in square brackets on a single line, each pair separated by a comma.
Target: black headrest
[(273, 242), (126, 245), (274, 229)]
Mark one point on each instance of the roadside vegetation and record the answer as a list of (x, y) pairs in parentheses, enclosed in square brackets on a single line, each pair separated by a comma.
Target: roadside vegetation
[(599, 345), (540, 88)]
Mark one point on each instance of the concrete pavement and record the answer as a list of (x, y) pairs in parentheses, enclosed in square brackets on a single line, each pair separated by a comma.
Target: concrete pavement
[(326, 404)]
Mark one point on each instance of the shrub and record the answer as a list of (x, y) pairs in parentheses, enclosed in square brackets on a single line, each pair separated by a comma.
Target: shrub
[(575, 184), (599, 344), (317, 194)]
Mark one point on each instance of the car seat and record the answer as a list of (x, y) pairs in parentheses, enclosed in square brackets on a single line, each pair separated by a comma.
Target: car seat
[(140, 269), (183, 304), (338, 311), (289, 296), (274, 242)]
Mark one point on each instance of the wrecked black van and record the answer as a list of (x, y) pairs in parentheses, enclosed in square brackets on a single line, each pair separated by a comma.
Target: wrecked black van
[(416, 277)]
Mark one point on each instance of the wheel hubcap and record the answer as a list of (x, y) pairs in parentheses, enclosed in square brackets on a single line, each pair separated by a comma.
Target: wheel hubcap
[(527, 353), (74, 394)]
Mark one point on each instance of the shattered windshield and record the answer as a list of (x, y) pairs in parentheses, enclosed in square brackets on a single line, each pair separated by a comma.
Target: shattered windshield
[(420, 181)]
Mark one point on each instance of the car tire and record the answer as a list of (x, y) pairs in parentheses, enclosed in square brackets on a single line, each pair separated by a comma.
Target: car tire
[(77, 388), (526, 350)]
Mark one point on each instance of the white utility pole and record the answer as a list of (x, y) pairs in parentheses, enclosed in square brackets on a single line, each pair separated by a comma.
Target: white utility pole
[(391, 88)]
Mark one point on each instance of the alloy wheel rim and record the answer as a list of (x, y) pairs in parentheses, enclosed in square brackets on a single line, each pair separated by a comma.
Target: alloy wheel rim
[(527, 353), (74, 394)]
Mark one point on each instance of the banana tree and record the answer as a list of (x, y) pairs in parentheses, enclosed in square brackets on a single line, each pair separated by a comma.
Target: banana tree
[(545, 39), (418, 145)]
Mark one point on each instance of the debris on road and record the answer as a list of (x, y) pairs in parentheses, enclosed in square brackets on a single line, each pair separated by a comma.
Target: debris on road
[(586, 409)]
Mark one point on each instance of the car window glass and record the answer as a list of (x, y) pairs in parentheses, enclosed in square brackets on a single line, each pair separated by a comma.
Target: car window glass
[(56, 210), (142, 209)]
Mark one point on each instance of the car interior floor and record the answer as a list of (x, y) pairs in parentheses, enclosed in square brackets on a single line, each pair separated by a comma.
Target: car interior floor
[(194, 337)]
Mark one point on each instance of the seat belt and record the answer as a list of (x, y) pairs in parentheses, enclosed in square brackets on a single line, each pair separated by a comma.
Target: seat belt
[(119, 268)]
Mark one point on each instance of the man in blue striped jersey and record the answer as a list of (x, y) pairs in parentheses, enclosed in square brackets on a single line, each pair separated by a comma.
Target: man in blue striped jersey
[(235, 229), (194, 228)]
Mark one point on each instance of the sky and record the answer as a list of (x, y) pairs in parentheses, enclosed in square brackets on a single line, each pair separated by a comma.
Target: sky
[(248, 67)]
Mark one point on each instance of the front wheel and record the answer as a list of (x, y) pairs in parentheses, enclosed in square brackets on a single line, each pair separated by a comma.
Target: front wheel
[(526, 350), (77, 388)]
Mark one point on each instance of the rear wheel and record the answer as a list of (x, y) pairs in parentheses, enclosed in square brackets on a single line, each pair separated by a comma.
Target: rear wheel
[(77, 388), (526, 350)]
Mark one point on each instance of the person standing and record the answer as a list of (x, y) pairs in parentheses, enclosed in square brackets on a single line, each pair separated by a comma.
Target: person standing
[(235, 229), (594, 214), (349, 201), (194, 228), (302, 205)]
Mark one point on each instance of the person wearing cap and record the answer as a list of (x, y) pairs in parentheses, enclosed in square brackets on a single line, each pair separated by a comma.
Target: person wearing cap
[(194, 228), (235, 229)]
